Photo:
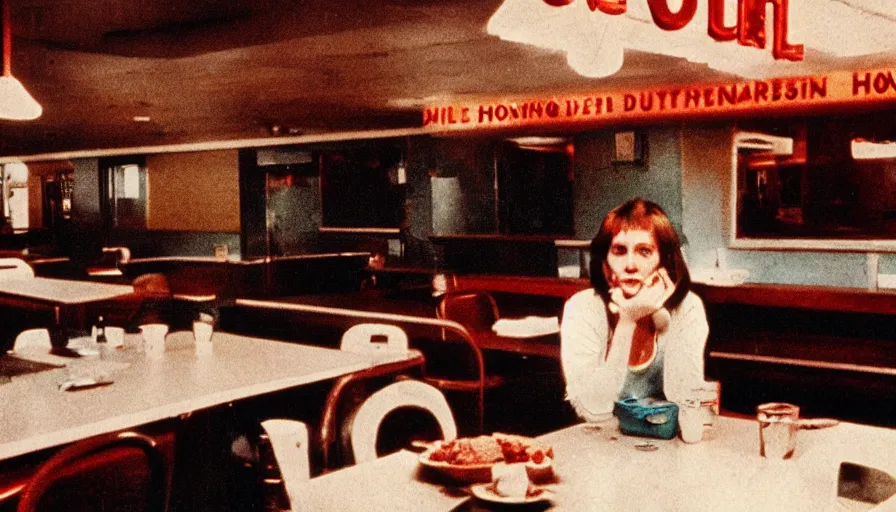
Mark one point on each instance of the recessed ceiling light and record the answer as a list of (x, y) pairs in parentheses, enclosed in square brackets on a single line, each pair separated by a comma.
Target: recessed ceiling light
[(141, 119)]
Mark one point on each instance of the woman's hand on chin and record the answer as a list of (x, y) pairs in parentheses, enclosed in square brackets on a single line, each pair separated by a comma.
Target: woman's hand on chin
[(657, 287)]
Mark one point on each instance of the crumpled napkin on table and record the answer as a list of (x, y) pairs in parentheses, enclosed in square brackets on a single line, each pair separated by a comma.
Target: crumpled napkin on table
[(83, 374), (527, 327)]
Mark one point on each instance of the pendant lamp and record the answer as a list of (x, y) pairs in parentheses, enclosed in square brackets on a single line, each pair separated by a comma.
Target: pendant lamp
[(15, 102)]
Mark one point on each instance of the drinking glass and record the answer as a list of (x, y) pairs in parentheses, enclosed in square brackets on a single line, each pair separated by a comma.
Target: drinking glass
[(115, 336), (777, 429)]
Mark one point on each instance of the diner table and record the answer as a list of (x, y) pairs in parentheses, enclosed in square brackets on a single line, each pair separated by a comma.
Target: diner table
[(598, 468), (375, 301), (65, 300), (36, 414)]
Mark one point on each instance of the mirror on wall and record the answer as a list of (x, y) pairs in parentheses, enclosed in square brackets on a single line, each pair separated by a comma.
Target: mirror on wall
[(816, 178)]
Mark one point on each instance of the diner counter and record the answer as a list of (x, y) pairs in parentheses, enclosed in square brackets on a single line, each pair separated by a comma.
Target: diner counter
[(598, 468), (36, 414)]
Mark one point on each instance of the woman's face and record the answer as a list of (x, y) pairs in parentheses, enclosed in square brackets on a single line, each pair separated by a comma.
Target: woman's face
[(633, 256)]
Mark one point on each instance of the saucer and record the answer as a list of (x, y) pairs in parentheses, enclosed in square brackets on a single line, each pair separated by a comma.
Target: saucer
[(486, 492)]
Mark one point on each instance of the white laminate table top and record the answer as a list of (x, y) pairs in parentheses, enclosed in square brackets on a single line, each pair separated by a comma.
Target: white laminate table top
[(63, 291), (388, 483), (600, 469), (35, 414)]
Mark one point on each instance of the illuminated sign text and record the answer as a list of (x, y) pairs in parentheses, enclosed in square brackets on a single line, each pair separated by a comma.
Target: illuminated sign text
[(749, 30), (802, 94)]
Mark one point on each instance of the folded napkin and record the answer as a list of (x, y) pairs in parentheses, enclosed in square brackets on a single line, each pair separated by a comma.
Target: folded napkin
[(83, 383), (527, 327), (90, 373)]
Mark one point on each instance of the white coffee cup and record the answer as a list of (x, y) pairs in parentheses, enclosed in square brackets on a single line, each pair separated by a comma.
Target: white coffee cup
[(115, 336), (691, 420), (154, 339), (202, 337), (511, 480)]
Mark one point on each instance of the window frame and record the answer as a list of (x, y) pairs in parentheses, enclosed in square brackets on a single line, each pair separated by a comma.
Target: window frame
[(796, 244), (109, 201)]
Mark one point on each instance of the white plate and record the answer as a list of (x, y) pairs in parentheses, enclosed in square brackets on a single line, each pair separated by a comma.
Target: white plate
[(486, 492)]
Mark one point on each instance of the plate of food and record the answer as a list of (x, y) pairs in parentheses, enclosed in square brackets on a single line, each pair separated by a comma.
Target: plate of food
[(470, 459)]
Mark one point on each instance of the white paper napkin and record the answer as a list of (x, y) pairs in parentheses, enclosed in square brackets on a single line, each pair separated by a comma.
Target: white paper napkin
[(527, 327)]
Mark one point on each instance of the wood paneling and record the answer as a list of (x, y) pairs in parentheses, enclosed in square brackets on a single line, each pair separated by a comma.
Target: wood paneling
[(197, 191)]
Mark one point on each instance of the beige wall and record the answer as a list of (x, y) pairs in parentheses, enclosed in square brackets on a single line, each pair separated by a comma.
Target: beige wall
[(196, 191)]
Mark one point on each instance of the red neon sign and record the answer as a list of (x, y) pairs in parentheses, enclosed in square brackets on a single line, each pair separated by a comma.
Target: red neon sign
[(748, 31)]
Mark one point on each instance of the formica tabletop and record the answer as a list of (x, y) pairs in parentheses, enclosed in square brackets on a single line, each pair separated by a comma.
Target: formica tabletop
[(35, 414), (598, 468), (62, 291)]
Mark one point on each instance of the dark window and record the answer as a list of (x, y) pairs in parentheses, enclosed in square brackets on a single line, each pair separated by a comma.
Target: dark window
[(829, 187), (363, 187), (124, 192), (535, 189)]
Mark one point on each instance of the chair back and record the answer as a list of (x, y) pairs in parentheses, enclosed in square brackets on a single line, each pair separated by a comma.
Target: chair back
[(289, 442), (155, 300), (105, 471), (32, 339), (365, 425), (121, 255), (153, 285), (15, 268), (477, 311), (374, 337)]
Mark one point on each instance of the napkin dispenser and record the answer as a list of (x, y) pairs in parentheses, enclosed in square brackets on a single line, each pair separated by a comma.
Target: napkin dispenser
[(647, 417)]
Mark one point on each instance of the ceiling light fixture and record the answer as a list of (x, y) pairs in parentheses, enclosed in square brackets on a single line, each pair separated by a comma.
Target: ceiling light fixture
[(15, 102)]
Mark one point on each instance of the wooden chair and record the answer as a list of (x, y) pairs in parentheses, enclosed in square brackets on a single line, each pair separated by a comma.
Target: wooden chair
[(153, 285), (382, 338), (157, 304), (474, 381), (506, 373), (365, 425), (343, 398), (119, 471), (477, 311), (289, 443)]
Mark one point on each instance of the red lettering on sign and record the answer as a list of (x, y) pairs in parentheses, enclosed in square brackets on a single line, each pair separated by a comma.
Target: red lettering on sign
[(749, 29), (716, 26), (646, 102), (668, 20), (614, 7)]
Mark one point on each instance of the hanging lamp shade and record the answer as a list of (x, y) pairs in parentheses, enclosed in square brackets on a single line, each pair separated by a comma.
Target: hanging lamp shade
[(15, 102)]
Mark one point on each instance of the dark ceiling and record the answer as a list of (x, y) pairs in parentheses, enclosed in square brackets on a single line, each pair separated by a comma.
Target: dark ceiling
[(205, 70)]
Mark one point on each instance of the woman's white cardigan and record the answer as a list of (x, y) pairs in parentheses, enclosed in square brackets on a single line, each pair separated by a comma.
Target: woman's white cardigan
[(593, 385)]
